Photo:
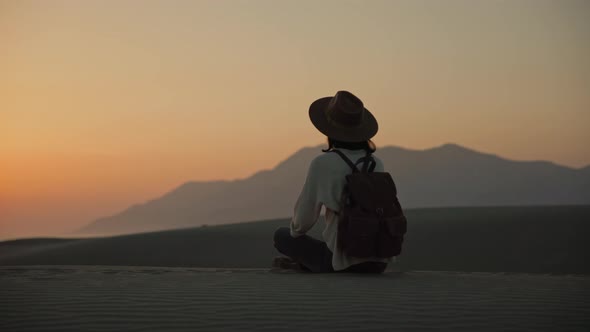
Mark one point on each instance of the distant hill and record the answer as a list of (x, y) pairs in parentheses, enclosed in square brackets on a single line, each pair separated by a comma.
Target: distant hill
[(448, 175), (546, 239)]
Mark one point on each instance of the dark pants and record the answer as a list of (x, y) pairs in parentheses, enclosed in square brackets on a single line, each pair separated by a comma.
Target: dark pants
[(314, 254)]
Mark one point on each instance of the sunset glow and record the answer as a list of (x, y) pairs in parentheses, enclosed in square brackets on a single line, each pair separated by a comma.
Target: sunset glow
[(105, 104)]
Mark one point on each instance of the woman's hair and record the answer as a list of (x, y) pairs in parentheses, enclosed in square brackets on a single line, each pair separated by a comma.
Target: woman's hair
[(367, 145)]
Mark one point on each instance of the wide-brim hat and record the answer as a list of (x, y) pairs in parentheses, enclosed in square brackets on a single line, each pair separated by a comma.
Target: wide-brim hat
[(343, 118)]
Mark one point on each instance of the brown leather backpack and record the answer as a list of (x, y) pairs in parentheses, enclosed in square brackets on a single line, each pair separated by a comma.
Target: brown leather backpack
[(371, 221)]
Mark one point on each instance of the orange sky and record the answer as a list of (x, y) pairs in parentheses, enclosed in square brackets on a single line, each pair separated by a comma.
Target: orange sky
[(108, 103)]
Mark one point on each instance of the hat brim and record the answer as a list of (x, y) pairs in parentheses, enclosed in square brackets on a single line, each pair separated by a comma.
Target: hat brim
[(365, 131)]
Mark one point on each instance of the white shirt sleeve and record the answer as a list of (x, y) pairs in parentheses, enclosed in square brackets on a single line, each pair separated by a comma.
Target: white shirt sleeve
[(308, 206)]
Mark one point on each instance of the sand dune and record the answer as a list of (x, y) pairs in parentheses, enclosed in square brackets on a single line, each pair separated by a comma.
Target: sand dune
[(510, 239), (217, 279), (184, 299)]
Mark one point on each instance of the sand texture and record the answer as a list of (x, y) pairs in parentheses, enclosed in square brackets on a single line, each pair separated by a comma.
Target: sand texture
[(74, 298)]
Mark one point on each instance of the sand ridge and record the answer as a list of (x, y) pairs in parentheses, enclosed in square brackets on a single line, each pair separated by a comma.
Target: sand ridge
[(546, 239), (46, 298)]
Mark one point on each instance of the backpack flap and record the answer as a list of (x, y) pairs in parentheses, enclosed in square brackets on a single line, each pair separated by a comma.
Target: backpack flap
[(373, 192)]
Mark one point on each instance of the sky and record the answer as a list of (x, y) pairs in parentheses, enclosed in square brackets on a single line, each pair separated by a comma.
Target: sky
[(104, 104)]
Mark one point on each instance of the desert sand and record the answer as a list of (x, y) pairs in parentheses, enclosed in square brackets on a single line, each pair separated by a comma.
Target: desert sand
[(102, 298), (462, 269)]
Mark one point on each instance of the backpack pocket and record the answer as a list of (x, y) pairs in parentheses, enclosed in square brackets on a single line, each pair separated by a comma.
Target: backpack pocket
[(391, 236)]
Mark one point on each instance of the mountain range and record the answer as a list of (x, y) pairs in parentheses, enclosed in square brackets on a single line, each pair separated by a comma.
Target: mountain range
[(444, 176)]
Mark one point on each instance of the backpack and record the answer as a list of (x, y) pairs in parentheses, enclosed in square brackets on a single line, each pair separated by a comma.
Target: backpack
[(371, 222)]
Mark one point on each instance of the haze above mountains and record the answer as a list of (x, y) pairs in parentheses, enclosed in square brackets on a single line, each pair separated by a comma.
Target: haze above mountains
[(444, 176)]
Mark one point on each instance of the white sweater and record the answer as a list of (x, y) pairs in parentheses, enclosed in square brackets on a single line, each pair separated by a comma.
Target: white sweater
[(323, 187)]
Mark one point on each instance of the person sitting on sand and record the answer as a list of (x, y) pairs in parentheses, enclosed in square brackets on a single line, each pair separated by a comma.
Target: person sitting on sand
[(349, 128)]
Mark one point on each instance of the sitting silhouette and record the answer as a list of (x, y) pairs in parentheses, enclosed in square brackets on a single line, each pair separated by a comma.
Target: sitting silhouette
[(365, 224)]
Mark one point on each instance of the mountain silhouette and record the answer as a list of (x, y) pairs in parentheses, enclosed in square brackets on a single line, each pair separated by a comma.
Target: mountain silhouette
[(444, 176)]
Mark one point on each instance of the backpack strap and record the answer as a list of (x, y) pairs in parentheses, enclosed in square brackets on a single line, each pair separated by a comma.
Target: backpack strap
[(345, 158), (368, 162)]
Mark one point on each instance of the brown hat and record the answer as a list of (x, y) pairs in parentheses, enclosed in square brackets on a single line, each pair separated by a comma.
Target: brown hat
[(343, 118)]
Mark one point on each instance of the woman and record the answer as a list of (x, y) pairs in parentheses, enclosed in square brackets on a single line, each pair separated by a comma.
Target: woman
[(349, 128)]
